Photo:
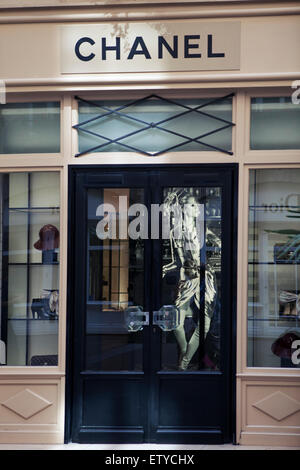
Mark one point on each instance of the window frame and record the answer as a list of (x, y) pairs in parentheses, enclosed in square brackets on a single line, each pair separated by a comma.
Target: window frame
[(264, 156), (42, 159), (242, 354), (57, 370)]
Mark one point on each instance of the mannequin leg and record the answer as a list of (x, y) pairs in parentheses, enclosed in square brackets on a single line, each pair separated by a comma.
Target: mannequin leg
[(180, 335), (192, 347), (193, 344)]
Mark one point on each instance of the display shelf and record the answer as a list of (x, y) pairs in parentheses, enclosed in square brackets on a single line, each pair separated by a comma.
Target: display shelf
[(283, 263), (31, 319), (55, 263), (281, 318), (42, 209)]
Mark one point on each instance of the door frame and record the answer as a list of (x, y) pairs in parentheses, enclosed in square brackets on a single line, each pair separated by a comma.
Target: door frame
[(72, 171)]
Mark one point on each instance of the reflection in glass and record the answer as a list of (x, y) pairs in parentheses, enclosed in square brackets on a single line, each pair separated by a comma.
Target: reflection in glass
[(30, 127), (191, 267), (30, 268), (115, 281), (273, 267), (274, 124)]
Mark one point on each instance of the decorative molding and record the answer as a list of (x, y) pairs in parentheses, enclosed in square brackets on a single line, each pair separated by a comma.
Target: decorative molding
[(162, 12), (268, 439), (26, 403), (20, 4), (271, 376), (278, 405), (151, 79), (39, 372)]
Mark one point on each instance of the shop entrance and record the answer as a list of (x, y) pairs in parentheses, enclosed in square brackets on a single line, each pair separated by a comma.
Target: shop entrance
[(151, 310)]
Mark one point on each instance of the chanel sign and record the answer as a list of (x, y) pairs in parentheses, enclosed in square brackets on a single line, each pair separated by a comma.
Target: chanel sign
[(150, 47)]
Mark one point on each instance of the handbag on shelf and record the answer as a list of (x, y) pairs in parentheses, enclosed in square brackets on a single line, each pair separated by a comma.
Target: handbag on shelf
[(47, 360), (46, 307)]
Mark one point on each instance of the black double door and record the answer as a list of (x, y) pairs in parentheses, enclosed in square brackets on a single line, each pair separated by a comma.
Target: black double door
[(151, 309)]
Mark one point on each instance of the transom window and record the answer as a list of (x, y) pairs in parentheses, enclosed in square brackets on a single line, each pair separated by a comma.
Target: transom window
[(154, 125)]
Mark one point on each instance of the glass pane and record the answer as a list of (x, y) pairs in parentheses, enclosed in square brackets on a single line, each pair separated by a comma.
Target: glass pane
[(30, 269), (18, 189), (191, 278), (275, 124), (115, 282), (30, 128), (134, 126), (274, 268), (45, 190)]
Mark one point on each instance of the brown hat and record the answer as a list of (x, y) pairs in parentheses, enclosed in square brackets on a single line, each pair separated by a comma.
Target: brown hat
[(49, 238), (282, 347)]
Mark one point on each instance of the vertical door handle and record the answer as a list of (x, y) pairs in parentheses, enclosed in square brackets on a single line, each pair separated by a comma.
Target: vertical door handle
[(135, 319), (167, 317)]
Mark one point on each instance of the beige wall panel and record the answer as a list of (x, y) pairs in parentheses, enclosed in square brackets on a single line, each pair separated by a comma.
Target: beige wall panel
[(270, 413), (273, 405), (29, 403), (31, 410), (29, 50), (267, 46)]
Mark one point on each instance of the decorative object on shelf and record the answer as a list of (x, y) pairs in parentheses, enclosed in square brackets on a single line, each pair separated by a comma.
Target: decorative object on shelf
[(48, 242), (46, 307), (282, 347), (54, 301), (284, 253), (289, 251), (289, 302), (47, 360)]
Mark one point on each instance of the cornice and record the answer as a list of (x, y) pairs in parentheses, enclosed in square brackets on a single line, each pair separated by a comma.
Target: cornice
[(147, 78), (148, 12), (46, 4)]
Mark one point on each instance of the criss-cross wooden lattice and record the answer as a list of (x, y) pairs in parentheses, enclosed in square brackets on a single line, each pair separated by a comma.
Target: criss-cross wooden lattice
[(183, 110)]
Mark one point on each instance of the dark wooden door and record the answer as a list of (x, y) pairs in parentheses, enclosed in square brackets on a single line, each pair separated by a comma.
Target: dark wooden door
[(151, 309)]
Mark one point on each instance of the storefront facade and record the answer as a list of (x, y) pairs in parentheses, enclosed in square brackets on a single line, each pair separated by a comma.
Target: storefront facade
[(117, 119)]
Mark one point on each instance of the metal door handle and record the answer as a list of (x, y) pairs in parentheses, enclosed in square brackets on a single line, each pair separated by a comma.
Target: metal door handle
[(167, 317), (135, 319)]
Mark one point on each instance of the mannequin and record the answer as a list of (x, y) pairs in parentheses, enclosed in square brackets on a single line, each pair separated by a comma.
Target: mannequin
[(186, 258)]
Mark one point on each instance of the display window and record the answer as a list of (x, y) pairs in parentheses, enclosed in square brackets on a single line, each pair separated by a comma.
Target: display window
[(30, 258), (274, 267)]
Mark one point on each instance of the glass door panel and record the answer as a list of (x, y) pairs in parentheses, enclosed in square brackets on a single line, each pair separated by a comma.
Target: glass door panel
[(191, 267), (115, 282)]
